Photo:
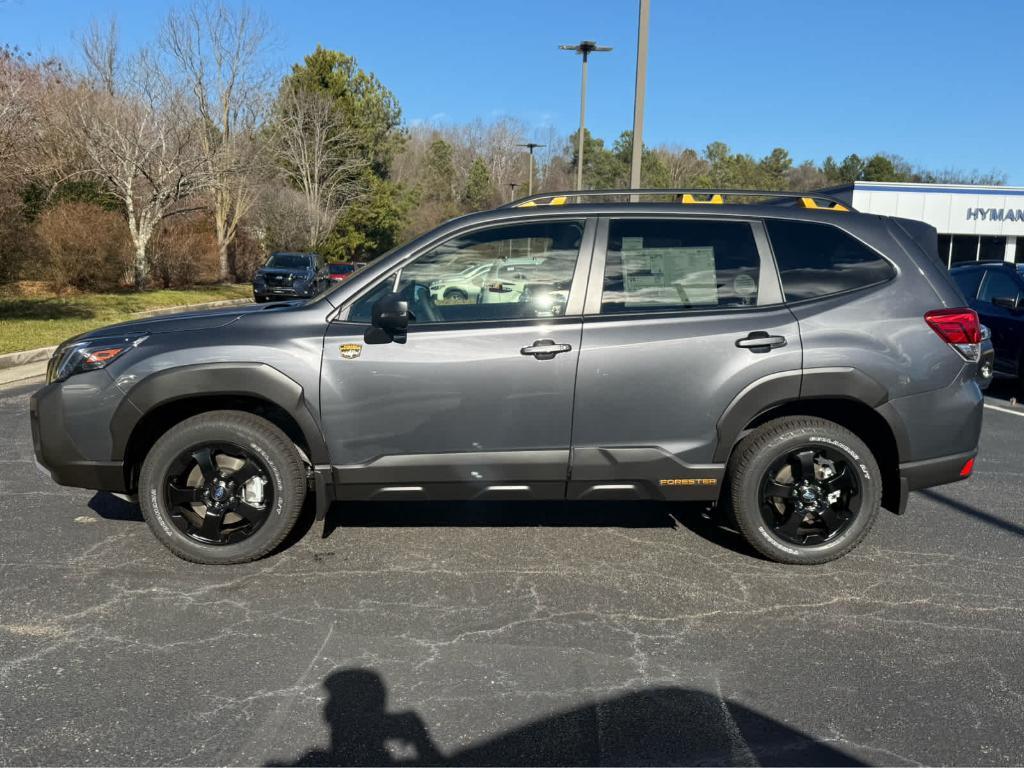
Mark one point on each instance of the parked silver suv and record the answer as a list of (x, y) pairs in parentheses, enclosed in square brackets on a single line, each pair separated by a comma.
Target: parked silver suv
[(790, 360)]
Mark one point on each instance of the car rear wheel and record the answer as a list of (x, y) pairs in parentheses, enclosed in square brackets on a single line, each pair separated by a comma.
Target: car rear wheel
[(804, 490), (222, 487)]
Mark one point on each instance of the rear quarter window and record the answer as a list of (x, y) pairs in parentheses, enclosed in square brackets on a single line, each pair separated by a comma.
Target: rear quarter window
[(967, 281), (817, 260)]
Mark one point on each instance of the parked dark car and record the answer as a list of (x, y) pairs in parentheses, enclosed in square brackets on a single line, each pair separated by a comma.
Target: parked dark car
[(995, 290), (799, 365), (290, 276), (343, 270)]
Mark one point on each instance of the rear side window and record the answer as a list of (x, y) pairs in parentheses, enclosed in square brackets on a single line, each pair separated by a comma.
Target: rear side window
[(818, 260), (664, 265), (967, 281)]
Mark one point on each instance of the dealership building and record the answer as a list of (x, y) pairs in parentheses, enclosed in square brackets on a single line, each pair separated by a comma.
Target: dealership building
[(974, 222)]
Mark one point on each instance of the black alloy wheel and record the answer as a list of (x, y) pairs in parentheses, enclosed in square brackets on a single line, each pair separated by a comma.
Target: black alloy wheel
[(803, 490), (218, 493), (810, 496)]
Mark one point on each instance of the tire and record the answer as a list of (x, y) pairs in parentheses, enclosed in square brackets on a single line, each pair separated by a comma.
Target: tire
[(259, 299), (456, 294), (800, 510), (208, 450)]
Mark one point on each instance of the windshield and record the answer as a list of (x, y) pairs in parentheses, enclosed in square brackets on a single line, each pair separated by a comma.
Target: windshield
[(288, 261)]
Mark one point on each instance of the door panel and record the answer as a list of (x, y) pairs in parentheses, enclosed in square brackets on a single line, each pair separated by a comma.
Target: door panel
[(650, 392), (477, 402), (1004, 323), (451, 406), (682, 315)]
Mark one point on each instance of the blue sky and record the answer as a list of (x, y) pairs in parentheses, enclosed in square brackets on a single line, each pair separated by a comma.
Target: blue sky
[(933, 80)]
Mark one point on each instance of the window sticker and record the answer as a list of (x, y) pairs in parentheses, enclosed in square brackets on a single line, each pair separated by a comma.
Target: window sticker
[(688, 272)]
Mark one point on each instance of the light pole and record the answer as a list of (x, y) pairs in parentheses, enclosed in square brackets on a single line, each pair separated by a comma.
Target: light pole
[(638, 97), (530, 145), (512, 186), (584, 48)]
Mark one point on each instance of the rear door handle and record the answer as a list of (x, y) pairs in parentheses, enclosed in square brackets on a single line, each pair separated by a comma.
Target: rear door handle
[(545, 349), (760, 341)]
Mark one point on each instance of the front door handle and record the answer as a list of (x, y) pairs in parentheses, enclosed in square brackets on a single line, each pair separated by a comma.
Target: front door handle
[(545, 349), (760, 341)]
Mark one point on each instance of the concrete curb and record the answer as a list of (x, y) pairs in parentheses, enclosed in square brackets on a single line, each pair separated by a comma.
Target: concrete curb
[(29, 356), (185, 307)]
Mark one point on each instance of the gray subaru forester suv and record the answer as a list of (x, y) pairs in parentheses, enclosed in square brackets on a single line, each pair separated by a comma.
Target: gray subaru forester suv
[(794, 362)]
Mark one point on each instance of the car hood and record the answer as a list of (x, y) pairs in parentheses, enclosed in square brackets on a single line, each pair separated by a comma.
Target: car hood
[(185, 321)]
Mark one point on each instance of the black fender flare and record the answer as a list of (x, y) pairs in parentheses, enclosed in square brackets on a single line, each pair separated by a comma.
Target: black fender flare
[(779, 389), (204, 379)]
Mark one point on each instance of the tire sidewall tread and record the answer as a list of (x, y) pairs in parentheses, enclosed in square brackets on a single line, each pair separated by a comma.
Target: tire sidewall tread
[(763, 446), (259, 436)]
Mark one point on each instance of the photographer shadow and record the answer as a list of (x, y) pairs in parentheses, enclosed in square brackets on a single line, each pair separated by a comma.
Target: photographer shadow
[(655, 726)]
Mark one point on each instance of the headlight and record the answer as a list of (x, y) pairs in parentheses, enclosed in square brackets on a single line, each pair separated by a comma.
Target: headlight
[(90, 355), (259, 278)]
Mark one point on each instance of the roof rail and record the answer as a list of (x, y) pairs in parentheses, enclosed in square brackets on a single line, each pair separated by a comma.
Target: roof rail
[(686, 196)]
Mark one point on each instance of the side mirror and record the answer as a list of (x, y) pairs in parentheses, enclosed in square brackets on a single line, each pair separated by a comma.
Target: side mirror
[(390, 320), (1006, 302)]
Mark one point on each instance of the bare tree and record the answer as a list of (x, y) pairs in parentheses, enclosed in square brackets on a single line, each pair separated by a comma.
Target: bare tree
[(23, 84), (135, 134), (13, 105), (219, 52), (316, 153)]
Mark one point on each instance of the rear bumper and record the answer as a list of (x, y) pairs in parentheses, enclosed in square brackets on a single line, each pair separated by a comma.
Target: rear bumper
[(916, 475)]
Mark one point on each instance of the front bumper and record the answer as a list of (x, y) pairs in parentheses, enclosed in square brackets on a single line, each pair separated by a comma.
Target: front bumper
[(70, 429), (280, 292)]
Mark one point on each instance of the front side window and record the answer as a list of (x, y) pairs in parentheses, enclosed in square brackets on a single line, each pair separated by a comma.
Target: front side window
[(818, 260), (998, 284), (515, 272), (665, 265)]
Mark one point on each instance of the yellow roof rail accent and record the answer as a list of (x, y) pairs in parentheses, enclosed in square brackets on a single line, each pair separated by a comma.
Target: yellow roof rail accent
[(688, 198), (558, 200), (809, 202)]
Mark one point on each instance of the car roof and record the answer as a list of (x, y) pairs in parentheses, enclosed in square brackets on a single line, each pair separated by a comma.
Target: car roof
[(584, 210)]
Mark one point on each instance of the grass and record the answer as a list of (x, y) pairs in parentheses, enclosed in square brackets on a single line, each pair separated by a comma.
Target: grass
[(30, 321)]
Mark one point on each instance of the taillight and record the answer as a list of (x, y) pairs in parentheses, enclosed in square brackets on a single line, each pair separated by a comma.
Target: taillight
[(967, 468), (960, 328)]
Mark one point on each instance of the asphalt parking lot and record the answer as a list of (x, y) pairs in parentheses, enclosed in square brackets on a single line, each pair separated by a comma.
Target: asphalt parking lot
[(504, 634)]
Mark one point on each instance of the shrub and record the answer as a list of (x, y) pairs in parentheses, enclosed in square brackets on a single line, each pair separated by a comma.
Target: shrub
[(247, 254), (86, 247), (184, 252), (19, 247)]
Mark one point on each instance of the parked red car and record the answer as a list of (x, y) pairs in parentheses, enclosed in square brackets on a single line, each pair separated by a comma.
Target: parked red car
[(344, 270)]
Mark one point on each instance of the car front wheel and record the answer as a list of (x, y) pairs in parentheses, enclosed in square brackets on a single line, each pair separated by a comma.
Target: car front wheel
[(222, 487), (804, 490)]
